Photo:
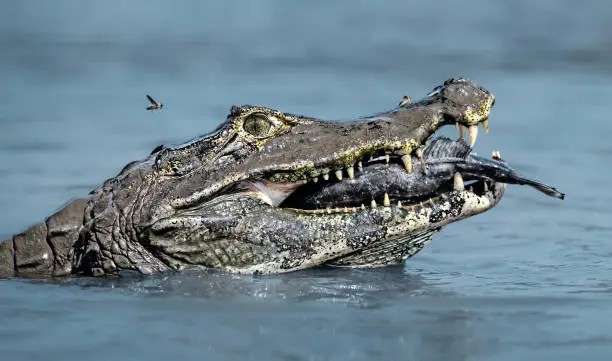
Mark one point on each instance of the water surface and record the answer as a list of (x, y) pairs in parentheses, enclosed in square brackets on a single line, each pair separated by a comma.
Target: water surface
[(529, 279)]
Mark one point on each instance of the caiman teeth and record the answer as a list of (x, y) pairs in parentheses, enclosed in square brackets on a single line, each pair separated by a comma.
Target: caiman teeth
[(485, 126), (473, 134), (339, 174), (351, 172), (363, 206), (458, 182), (387, 158), (407, 160), (386, 201), (315, 179), (419, 154), (373, 204), (360, 166), (326, 176), (462, 131), (399, 204), (485, 186)]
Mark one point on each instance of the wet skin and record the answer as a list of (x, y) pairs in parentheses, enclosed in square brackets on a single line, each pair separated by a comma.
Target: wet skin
[(229, 200)]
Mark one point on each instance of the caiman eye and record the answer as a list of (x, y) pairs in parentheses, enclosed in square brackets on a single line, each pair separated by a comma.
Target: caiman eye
[(258, 125)]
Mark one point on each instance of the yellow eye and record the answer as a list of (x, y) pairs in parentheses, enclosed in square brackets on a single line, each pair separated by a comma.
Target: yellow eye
[(258, 125)]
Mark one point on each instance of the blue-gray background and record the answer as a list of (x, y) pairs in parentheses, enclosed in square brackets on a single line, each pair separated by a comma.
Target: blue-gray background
[(529, 279)]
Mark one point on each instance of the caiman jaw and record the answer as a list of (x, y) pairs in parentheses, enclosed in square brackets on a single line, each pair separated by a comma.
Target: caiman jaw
[(289, 195)]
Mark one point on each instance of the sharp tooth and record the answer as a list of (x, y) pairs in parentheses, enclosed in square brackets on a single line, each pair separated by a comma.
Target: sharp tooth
[(419, 154), (328, 210), (346, 210), (498, 154), (485, 126), (493, 155), (362, 206), (315, 179), (339, 174), (326, 176), (407, 160), (373, 204), (458, 182), (457, 125), (399, 204), (471, 189), (354, 209), (387, 158), (360, 166), (473, 134), (462, 131), (486, 187), (386, 201), (351, 172)]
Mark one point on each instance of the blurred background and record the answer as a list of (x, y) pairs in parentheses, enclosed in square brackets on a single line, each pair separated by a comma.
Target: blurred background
[(528, 279)]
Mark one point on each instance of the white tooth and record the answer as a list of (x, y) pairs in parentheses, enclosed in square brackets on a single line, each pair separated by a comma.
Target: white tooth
[(354, 209), (485, 126), (387, 158), (360, 166), (462, 131), (362, 206), (346, 210), (315, 179), (486, 187), (471, 189), (386, 201), (373, 204), (328, 210), (419, 154), (326, 176), (351, 172), (339, 174), (458, 182), (407, 160), (473, 134), (399, 204), (493, 155), (498, 154)]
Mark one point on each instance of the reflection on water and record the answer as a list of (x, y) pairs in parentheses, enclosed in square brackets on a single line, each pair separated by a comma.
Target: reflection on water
[(529, 279)]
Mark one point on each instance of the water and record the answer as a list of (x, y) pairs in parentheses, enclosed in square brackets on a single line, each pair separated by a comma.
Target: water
[(529, 279)]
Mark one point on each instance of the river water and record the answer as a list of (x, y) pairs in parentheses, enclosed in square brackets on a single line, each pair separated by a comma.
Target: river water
[(530, 279)]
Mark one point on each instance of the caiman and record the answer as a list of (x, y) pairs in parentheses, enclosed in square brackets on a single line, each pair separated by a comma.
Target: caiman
[(271, 192)]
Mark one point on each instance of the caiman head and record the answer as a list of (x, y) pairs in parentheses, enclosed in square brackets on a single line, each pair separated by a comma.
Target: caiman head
[(241, 198), (234, 199)]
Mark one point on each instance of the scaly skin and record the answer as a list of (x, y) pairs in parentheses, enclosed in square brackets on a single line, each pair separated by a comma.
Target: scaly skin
[(202, 205)]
